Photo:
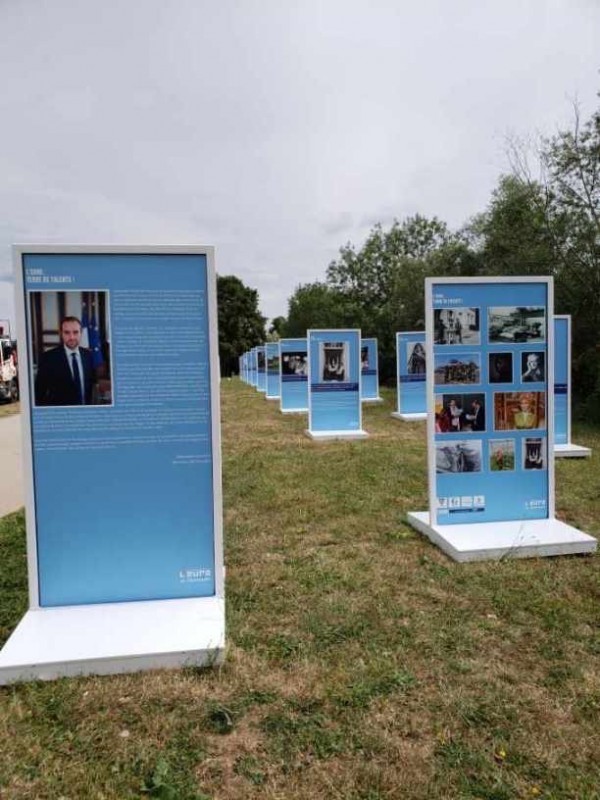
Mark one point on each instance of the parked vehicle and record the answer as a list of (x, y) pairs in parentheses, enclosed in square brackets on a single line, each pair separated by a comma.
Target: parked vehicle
[(9, 375)]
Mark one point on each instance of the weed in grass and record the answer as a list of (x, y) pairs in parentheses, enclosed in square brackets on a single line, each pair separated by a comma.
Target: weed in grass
[(587, 708), (561, 675), (331, 632), (285, 648), (373, 685), (158, 784), (259, 697), (297, 736), (250, 768), (163, 785)]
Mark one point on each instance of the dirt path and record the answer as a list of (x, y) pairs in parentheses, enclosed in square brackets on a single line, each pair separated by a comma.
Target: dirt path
[(11, 470)]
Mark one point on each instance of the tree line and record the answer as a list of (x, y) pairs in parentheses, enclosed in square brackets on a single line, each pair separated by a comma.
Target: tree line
[(547, 224)]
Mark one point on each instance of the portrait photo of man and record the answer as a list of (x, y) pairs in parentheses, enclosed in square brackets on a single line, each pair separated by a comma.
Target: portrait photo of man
[(65, 375), (70, 348)]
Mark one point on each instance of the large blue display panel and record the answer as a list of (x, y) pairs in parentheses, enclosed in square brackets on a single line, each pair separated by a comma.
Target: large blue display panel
[(490, 414), (294, 375), (122, 451), (562, 379), (334, 380), (369, 370), (272, 355), (411, 368)]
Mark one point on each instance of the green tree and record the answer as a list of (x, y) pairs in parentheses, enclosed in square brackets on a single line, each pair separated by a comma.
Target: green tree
[(277, 329), (511, 236), (315, 305), (570, 203), (241, 325), (383, 282)]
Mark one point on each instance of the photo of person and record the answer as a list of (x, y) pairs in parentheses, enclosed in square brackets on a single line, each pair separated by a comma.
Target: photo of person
[(461, 456), (534, 453), (260, 359), (519, 410), (333, 361), (456, 326), (500, 367), (295, 363), (459, 369), (364, 358), (416, 362), (69, 341), (533, 367), (510, 324), (459, 413), (502, 455)]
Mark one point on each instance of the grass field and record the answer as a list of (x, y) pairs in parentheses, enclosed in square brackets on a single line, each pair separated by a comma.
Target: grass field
[(362, 663)]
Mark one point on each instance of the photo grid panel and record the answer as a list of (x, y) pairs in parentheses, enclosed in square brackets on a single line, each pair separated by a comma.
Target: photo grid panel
[(490, 401)]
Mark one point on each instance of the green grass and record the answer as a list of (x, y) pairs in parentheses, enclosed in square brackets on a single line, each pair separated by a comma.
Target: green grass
[(362, 663)]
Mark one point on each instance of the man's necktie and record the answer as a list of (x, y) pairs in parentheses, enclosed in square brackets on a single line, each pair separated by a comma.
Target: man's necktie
[(77, 378)]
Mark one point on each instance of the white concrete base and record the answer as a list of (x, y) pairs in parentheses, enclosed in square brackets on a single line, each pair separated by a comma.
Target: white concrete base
[(294, 410), (571, 451), (272, 397), (108, 638), (372, 399), (492, 541), (328, 436), (409, 417)]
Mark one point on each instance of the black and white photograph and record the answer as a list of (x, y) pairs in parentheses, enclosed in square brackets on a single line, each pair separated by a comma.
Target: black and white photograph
[(333, 361), (459, 413), (456, 326), (294, 363), (364, 357), (463, 368), (458, 456), (534, 453), (70, 346), (502, 455), (500, 367), (516, 324), (533, 366), (416, 359)]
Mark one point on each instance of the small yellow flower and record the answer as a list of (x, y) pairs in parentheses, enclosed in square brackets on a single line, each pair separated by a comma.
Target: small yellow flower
[(535, 791), (501, 754)]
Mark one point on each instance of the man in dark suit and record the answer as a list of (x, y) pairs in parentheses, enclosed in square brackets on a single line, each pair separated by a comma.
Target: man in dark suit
[(476, 417), (65, 375)]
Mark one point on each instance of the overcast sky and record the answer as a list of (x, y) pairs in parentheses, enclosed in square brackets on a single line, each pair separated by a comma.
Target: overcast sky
[(276, 130)]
